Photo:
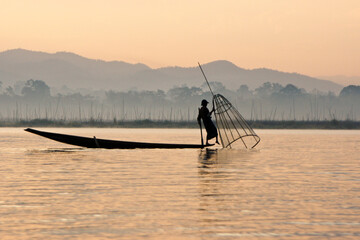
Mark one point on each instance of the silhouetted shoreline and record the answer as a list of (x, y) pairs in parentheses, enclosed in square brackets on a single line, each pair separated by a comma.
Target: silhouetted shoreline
[(333, 124)]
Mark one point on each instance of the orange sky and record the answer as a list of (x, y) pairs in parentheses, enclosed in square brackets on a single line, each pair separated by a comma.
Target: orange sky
[(313, 37)]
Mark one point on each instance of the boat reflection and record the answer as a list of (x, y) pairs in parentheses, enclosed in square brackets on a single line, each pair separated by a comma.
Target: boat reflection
[(55, 150)]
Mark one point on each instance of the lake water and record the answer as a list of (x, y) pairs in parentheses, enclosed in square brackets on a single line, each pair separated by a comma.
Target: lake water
[(297, 184)]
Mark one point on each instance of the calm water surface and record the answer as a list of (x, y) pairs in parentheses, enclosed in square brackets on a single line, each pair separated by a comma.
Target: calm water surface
[(300, 184)]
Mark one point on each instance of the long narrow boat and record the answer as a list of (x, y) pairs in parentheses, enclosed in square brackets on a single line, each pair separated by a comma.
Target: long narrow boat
[(110, 144)]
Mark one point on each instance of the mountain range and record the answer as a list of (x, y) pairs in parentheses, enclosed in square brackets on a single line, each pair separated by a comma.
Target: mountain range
[(74, 71)]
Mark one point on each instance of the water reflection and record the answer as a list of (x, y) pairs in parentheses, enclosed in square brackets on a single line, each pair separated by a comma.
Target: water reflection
[(222, 177), (225, 157), (207, 157), (214, 198)]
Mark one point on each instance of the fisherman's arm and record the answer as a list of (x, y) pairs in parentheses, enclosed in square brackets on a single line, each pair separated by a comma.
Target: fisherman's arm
[(213, 109)]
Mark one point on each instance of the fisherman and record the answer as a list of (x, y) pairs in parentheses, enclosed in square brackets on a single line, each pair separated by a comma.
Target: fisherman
[(205, 115)]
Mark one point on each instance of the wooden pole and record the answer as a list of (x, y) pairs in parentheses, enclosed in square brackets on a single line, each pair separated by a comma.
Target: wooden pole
[(202, 139)]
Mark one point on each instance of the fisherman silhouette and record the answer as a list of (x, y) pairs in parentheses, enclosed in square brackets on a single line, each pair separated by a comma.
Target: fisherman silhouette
[(205, 115)]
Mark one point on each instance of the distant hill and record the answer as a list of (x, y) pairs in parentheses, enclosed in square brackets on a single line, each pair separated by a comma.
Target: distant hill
[(74, 71), (344, 80)]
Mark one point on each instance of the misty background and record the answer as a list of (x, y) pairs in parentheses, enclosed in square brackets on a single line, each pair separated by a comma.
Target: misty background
[(66, 86)]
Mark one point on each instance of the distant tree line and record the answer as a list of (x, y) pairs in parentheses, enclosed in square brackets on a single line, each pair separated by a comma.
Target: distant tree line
[(33, 99)]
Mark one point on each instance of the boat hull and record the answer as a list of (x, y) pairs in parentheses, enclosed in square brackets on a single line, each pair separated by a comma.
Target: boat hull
[(109, 144)]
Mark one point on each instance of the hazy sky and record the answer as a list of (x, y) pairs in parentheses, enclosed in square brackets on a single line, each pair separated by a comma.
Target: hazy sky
[(314, 37)]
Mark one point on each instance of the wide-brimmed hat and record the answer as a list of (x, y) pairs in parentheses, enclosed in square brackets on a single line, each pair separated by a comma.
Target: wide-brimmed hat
[(203, 102)]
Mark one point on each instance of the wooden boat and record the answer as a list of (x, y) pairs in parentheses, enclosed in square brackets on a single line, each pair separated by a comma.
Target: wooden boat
[(110, 144)]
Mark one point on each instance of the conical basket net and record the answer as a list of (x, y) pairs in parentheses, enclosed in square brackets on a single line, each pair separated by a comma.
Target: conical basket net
[(232, 126)]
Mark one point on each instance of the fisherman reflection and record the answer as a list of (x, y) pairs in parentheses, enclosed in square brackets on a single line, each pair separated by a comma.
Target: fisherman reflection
[(213, 197), (205, 115), (208, 154)]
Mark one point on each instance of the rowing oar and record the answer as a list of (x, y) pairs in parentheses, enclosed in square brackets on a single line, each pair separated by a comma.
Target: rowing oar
[(202, 139)]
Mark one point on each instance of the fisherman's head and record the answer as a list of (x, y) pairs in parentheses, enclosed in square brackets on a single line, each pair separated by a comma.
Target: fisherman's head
[(204, 102)]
